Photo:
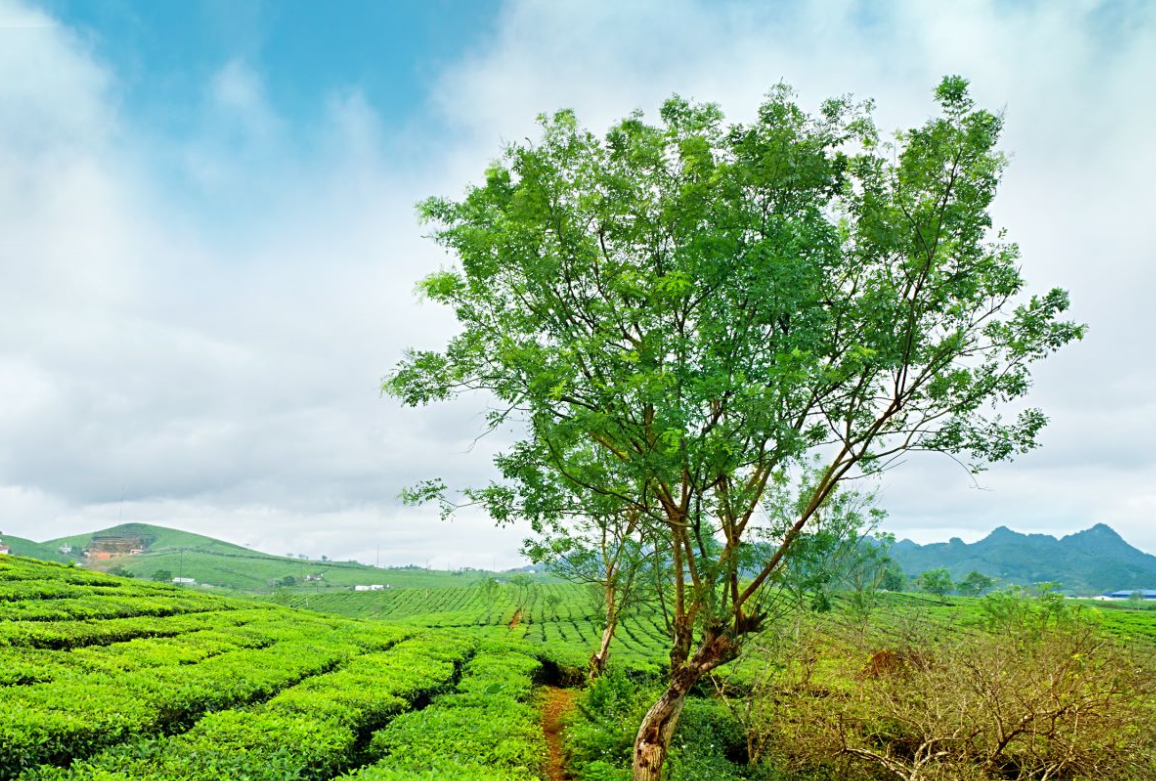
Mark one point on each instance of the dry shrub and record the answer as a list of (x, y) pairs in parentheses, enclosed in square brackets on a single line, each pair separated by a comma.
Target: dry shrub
[(1047, 696)]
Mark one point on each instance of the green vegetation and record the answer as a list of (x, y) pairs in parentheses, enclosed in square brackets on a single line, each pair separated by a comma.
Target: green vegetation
[(936, 582), (562, 620), (35, 550), (685, 317), (486, 730), (156, 682), (212, 562), (105, 678)]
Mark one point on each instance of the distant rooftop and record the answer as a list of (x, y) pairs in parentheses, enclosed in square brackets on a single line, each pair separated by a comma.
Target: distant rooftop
[(1145, 593)]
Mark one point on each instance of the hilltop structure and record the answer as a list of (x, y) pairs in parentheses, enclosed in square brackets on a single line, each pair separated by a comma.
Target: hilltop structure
[(105, 546)]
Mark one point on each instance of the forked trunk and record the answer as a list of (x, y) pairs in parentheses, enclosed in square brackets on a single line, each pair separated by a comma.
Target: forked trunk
[(653, 740)]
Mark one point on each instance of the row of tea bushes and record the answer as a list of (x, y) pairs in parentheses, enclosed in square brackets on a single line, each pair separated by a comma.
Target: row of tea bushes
[(486, 731), (25, 666), (63, 635), (99, 606), (309, 731), (75, 716)]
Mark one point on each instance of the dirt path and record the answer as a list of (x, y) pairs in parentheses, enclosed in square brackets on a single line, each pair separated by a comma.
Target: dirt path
[(556, 703)]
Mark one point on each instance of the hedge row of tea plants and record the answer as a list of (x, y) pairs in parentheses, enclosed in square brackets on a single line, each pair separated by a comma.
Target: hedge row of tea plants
[(71, 688), (99, 606), (23, 666), (75, 716), (485, 731), (309, 731)]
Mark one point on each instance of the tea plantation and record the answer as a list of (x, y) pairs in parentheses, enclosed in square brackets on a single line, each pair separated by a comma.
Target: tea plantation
[(107, 678), (561, 620), (104, 678)]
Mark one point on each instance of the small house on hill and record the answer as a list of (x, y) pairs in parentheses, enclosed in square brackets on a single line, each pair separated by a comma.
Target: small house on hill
[(105, 546), (1145, 593), (4, 549)]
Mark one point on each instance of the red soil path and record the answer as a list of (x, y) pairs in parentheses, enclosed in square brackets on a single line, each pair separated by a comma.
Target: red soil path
[(556, 703)]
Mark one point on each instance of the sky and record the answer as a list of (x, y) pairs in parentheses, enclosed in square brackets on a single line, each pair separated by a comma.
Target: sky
[(208, 243)]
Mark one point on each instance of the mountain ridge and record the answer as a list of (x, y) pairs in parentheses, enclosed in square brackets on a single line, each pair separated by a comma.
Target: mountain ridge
[(1092, 561)]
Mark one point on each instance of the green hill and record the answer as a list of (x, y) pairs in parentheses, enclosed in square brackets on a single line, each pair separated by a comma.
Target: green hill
[(208, 561), (159, 539), (44, 551), (1094, 561)]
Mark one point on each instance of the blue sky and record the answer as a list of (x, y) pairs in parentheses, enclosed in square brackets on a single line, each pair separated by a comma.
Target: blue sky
[(208, 244), (164, 52)]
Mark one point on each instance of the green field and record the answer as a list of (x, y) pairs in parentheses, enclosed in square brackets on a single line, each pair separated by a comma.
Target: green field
[(106, 678), (102, 677), (560, 619)]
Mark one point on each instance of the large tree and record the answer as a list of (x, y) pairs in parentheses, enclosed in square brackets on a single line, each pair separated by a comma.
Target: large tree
[(679, 314)]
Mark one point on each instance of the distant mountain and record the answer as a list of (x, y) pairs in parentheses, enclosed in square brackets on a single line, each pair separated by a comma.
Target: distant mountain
[(1094, 561)]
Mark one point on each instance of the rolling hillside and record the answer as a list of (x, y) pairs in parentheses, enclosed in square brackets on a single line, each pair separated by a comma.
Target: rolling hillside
[(35, 550), (1094, 561), (223, 564)]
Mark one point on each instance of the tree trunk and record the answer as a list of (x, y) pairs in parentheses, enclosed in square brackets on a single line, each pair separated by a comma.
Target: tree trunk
[(599, 659), (653, 740)]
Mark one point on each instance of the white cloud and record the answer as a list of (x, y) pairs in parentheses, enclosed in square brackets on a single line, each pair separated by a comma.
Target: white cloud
[(1074, 79), (203, 320)]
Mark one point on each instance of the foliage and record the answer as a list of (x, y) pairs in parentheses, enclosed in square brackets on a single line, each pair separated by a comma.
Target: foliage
[(76, 686), (486, 730), (936, 582), (709, 742), (893, 578), (307, 731), (974, 584), (559, 620), (680, 313), (841, 550)]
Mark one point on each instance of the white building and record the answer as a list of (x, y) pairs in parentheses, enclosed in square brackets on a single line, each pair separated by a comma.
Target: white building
[(185, 581), (374, 587)]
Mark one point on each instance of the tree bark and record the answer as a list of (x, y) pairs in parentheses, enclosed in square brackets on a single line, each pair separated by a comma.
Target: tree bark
[(602, 656), (599, 659), (653, 741)]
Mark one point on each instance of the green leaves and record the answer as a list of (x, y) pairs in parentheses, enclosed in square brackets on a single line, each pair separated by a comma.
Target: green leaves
[(680, 310)]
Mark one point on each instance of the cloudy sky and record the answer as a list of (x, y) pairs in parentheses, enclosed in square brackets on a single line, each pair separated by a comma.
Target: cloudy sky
[(208, 245)]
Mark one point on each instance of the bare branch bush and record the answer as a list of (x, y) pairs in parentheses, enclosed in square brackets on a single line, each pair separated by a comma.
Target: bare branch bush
[(1053, 700)]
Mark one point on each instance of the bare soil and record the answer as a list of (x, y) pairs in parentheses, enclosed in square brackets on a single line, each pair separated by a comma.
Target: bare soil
[(556, 703)]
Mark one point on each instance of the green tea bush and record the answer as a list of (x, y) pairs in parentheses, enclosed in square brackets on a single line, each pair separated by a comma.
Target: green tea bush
[(485, 731), (309, 731)]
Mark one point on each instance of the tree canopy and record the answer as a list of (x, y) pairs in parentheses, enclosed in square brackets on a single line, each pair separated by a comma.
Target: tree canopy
[(681, 314)]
